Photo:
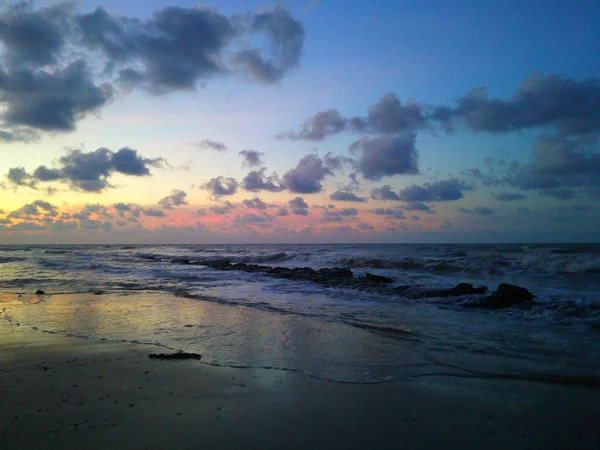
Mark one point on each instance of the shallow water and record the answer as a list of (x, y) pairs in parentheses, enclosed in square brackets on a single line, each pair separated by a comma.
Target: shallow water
[(247, 319)]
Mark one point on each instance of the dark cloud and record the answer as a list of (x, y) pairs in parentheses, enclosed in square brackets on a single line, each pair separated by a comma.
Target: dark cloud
[(298, 206), (572, 107), (252, 158), (559, 193), (387, 116), (392, 213), (255, 203), (257, 181), (221, 186), (384, 193), (243, 220), (53, 57), (386, 156), (19, 177), (286, 37), (479, 210), (330, 215), (509, 196), (35, 210), (417, 206), (439, 191), (177, 198), (282, 212), (33, 37), (307, 176), (559, 166), (345, 196), (333, 162), (208, 144), (222, 210), (91, 171), (574, 208), (153, 212), (318, 127), (170, 51), (50, 100)]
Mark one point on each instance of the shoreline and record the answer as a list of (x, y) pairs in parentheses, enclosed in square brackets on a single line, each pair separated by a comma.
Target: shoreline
[(59, 391)]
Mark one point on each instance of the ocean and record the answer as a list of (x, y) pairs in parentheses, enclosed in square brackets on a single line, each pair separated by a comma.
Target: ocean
[(166, 295)]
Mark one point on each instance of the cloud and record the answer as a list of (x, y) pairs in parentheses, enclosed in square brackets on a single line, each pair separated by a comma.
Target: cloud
[(559, 166), (417, 206), (330, 215), (318, 127), (177, 198), (286, 37), (50, 100), (91, 171), (391, 213), (384, 193), (386, 156), (243, 220), (208, 144), (439, 191), (33, 37), (387, 116), (252, 158), (559, 194), (307, 176), (298, 206), (257, 181), (170, 51), (345, 196), (479, 210), (255, 203), (282, 212), (54, 57), (571, 107), (153, 212), (35, 210), (509, 196), (222, 210), (221, 186), (19, 177)]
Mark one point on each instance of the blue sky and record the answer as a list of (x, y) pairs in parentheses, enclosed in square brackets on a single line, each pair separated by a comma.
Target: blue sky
[(481, 118)]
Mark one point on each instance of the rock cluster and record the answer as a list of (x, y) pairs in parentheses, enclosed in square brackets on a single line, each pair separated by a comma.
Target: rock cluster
[(505, 296)]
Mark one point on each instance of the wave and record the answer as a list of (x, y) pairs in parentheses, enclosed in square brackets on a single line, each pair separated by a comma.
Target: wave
[(551, 262), (9, 259)]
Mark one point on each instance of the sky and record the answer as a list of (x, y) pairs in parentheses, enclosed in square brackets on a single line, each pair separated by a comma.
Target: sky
[(299, 121)]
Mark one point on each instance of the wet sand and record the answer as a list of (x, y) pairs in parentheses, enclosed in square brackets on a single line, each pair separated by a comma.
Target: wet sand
[(61, 392)]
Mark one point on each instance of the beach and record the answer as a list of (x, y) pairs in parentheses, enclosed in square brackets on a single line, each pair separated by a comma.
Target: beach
[(58, 391)]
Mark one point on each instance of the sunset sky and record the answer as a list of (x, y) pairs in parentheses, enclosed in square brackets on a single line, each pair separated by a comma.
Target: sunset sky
[(299, 121)]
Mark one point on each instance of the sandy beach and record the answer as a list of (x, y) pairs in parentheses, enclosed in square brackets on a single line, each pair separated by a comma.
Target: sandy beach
[(66, 392)]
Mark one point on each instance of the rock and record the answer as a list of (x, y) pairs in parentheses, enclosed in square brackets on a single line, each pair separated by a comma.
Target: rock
[(180, 355), (507, 295), (39, 292), (466, 289), (456, 291), (372, 278)]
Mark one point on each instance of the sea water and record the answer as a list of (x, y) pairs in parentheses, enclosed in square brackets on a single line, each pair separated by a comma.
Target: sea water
[(236, 318)]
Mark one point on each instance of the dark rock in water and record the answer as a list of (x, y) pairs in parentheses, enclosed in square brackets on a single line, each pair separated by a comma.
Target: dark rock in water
[(98, 293), (174, 356), (458, 290), (372, 278), (466, 289), (39, 292), (507, 295)]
